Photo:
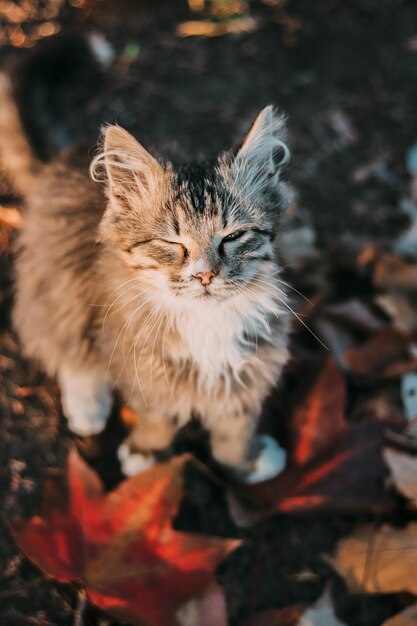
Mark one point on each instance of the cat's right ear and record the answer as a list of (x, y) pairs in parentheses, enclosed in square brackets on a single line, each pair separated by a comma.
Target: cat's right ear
[(132, 174), (263, 151)]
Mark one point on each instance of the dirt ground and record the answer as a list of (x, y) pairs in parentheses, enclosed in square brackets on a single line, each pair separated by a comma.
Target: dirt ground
[(346, 74)]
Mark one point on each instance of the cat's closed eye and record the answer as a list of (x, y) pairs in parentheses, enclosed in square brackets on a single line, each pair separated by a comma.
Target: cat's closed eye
[(234, 236), (244, 235), (165, 247)]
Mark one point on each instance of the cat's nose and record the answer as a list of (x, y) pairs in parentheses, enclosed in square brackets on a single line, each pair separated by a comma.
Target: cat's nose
[(205, 277)]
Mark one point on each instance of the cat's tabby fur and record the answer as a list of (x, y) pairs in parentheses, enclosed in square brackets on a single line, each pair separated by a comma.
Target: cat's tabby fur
[(160, 282)]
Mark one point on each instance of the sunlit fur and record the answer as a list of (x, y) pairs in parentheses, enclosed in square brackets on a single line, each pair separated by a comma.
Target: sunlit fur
[(106, 286)]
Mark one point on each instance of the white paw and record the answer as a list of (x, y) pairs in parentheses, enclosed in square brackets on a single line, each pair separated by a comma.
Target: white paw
[(133, 463), (83, 427), (87, 411), (270, 462)]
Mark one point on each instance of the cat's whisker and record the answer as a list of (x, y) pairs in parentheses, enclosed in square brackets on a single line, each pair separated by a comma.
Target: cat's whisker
[(121, 307), (258, 304), (283, 282), (282, 301), (154, 311), (125, 365), (159, 318), (168, 325), (130, 280), (263, 313), (124, 330), (128, 321)]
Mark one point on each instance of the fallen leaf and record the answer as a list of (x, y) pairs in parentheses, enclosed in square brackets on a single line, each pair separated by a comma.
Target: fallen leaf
[(387, 354), (349, 476), (408, 617), (321, 613), (379, 560), (392, 272), (121, 546), (206, 28), (332, 466), (287, 616), (380, 406), (411, 429), (320, 417), (400, 309), (356, 314), (403, 469)]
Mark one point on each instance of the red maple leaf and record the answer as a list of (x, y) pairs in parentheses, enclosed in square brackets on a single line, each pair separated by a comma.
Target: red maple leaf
[(321, 415), (121, 546), (333, 465)]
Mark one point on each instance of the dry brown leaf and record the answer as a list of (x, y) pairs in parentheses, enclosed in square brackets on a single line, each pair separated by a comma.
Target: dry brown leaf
[(321, 613), (378, 560), (411, 429), (408, 617), (381, 406), (206, 28), (393, 272), (387, 354), (355, 314), (400, 310), (404, 472), (285, 616)]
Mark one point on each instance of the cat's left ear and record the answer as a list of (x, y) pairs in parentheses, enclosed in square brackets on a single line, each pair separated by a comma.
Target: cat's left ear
[(263, 150), (133, 176)]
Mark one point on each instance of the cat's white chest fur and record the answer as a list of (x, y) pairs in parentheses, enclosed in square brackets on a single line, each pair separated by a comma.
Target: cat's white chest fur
[(214, 335)]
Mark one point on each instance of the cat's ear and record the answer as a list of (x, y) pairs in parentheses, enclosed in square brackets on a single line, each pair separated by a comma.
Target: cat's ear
[(263, 150), (128, 169)]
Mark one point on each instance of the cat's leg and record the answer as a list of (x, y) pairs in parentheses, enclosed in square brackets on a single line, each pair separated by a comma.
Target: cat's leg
[(232, 440), (86, 399), (255, 457), (152, 434)]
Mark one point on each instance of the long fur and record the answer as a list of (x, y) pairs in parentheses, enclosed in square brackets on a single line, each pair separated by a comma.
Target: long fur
[(16, 155), (107, 289)]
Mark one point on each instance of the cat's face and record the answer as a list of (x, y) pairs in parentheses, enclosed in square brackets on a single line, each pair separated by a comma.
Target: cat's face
[(205, 231)]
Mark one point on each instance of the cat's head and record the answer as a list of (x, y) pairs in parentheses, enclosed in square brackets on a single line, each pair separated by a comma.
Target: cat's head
[(204, 230)]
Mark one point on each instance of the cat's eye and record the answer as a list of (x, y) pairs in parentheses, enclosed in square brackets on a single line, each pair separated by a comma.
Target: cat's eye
[(234, 236), (179, 245)]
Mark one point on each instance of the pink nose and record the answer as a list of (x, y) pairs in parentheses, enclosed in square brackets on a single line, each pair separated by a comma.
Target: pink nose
[(205, 277)]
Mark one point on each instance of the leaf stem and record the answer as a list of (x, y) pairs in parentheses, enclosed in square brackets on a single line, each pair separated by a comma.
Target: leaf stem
[(81, 608)]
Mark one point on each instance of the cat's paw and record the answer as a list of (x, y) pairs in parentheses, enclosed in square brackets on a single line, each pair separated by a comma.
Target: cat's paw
[(133, 462), (270, 462), (88, 410)]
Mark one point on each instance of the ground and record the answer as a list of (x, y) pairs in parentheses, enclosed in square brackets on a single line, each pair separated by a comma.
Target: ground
[(346, 75)]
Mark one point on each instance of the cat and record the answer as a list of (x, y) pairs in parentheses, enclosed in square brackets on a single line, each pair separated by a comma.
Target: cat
[(161, 282)]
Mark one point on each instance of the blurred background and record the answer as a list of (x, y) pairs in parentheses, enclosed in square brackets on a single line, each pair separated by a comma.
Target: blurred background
[(190, 76)]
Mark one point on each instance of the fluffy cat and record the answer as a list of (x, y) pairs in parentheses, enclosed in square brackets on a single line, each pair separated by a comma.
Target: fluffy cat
[(161, 282)]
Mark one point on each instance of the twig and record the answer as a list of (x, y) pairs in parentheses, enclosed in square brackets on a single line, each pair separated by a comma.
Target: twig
[(81, 609)]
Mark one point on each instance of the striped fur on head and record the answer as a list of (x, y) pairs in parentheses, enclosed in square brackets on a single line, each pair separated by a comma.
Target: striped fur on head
[(217, 216)]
